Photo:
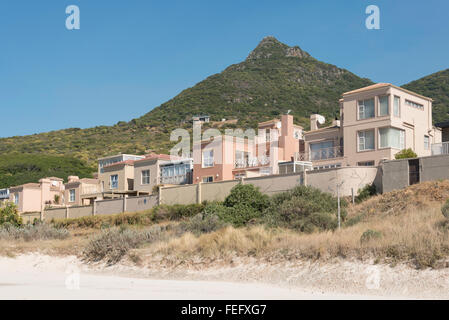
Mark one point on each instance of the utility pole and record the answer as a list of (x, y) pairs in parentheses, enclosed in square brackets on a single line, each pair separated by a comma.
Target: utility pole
[(338, 205)]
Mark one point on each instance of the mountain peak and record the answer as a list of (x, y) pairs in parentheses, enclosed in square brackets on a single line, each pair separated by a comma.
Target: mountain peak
[(270, 47)]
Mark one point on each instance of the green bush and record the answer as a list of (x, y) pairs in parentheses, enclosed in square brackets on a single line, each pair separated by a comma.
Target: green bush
[(445, 209), (202, 223), (247, 195), (366, 192), (406, 154), (370, 235), (9, 214), (305, 209), (244, 204)]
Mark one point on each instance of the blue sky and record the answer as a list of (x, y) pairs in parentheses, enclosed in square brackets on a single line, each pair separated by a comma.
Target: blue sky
[(131, 56)]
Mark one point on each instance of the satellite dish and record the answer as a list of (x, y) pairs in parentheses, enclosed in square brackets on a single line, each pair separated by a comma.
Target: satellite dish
[(278, 125), (320, 119)]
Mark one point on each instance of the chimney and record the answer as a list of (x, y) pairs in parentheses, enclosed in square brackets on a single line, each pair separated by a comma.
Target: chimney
[(73, 178), (287, 125), (315, 121)]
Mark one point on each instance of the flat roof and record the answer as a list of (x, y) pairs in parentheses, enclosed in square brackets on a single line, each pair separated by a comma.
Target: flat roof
[(384, 85)]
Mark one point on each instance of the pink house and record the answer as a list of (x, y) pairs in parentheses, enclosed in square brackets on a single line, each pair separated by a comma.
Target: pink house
[(232, 157), (34, 197)]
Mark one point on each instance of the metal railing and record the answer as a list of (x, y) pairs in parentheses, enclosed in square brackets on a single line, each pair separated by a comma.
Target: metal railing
[(251, 162), (440, 148), (320, 154)]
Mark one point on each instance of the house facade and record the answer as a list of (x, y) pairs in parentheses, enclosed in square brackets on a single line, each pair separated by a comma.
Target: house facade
[(117, 179), (234, 157), (161, 169), (79, 192), (34, 197), (376, 122)]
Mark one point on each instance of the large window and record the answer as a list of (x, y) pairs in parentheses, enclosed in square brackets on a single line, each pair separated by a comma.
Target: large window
[(397, 106), (208, 158), (16, 199), (384, 106), (72, 195), (114, 181), (145, 176), (391, 138), (366, 109), (366, 140), (322, 150), (426, 143)]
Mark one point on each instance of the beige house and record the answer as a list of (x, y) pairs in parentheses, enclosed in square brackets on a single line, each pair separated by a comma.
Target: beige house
[(376, 122), (161, 169), (79, 192), (117, 179), (34, 197)]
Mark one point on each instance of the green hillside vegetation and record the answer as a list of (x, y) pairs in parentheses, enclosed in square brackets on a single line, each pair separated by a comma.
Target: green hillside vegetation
[(17, 169), (435, 86)]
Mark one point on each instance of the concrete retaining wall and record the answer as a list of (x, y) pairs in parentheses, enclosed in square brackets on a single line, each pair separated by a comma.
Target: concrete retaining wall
[(106, 207), (395, 173), (350, 179)]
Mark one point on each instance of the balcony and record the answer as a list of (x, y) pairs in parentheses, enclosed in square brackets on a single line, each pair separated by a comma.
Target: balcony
[(179, 179), (440, 148), (320, 154), (251, 162)]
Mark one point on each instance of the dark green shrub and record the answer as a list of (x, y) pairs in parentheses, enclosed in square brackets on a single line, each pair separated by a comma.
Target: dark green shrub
[(406, 154), (445, 209), (243, 204), (366, 192), (247, 195), (305, 209), (10, 214), (370, 235)]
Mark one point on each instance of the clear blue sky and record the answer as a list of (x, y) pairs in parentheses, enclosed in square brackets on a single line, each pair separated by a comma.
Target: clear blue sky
[(131, 56)]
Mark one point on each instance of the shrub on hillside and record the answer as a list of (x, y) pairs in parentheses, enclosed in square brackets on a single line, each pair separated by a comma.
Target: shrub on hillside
[(305, 209), (445, 209), (178, 211), (202, 223), (406, 154), (29, 232), (113, 244), (370, 235), (366, 192), (243, 204), (9, 214)]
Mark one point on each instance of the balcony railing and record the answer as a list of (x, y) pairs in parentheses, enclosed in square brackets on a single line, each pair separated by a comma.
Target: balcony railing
[(320, 154), (251, 162), (440, 148), (179, 179)]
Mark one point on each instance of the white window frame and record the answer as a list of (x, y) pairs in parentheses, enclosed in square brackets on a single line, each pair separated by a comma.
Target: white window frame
[(362, 109), (72, 195), (210, 163), (142, 177), (401, 138), (398, 114), (388, 106), (426, 142), (111, 181), (362, 137)]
